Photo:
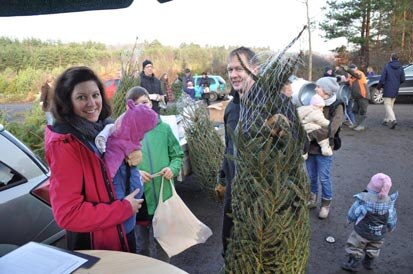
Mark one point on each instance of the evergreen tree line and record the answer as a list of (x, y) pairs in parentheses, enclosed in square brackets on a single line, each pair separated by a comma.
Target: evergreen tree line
[(374, 29)]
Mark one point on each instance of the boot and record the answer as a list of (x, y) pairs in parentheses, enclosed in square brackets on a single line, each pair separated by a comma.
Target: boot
[(368, 262), (356, 122), (362, 124), (353, 264), (325, 147), (312, 202), (325, 209)]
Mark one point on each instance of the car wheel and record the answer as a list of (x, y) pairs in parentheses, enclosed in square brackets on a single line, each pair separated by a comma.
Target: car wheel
[(213, 96), (376, 96)]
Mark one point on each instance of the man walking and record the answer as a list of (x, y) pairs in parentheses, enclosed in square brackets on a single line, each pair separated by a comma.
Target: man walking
[(391, 78)]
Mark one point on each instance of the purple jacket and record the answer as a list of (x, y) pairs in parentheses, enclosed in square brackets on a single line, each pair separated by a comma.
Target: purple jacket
[(127, 133)]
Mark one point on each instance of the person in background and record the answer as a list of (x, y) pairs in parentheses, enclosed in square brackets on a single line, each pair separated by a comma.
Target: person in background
[(391, 78), (319, 166), (328, 72), (373, 214), (162, 160), (187, 77), (287, 89), (152, 85), (166, 88), (82, 194), (360, 96), (46, 98), (190, 89), (204, 84), (370, 71)]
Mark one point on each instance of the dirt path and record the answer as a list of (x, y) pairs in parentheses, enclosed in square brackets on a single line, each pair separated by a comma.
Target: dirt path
[(363, 154)]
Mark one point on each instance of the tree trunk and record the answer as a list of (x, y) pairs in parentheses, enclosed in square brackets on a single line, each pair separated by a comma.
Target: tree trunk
[(310, 52)]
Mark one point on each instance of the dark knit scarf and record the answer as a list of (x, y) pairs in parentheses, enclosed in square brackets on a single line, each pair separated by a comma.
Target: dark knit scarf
[(88, 129)]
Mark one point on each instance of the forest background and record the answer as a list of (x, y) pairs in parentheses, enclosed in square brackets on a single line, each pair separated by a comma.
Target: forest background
[(373, 28)]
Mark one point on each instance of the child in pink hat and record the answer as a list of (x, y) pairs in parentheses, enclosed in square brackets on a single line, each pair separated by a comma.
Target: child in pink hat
[(373, 214)]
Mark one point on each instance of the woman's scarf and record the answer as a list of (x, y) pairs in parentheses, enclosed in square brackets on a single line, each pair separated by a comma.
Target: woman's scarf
[(330, 100), (88, 129)]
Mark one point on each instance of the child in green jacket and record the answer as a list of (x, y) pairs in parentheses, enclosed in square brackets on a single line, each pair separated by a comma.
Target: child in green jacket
[(162, 157)]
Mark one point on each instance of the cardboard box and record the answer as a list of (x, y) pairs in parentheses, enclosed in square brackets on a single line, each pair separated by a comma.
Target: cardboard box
[(217, 110)]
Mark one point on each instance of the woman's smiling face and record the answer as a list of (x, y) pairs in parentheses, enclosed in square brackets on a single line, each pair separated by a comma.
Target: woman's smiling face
[(87, 100)]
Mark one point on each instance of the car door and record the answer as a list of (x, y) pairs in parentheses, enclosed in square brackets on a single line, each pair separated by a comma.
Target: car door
[(23, 216)]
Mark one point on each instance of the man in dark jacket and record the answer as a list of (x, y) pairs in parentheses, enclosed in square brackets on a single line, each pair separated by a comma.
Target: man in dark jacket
[(152, 85), (241, 83), (391, 78)]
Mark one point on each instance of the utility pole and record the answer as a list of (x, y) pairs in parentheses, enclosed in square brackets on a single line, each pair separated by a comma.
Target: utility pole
[(310, 52)]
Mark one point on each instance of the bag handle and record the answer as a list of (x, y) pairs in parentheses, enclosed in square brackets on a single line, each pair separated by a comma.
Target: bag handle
[(161, 190)]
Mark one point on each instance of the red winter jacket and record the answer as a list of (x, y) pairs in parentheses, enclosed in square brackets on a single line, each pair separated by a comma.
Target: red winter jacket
[(81, 199)]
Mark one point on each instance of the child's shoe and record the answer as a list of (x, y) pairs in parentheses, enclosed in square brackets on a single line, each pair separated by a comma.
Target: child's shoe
[(368, 262), (353, 264)]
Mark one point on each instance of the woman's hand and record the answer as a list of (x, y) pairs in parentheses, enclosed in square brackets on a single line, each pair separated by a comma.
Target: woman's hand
[(145, 176), (135, 203), (167, 173), (134, 158)]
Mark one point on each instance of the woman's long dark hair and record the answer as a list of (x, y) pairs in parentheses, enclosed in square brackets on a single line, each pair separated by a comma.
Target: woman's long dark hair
[(62, 107)]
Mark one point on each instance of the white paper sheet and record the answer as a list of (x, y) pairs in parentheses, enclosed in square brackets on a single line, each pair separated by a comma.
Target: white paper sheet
[(36, 258)]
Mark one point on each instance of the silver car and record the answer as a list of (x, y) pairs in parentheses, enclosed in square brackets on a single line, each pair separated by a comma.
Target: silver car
[(25, 210)]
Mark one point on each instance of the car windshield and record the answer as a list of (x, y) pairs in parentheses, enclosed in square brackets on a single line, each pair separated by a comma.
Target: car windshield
[(408, 70)]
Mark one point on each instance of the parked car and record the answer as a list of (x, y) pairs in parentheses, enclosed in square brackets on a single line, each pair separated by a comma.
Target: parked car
[(111, 85), (217, 87), (25, 212), (376, 96)]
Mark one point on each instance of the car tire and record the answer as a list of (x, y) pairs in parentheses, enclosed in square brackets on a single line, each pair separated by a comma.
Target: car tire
[(376, 96), (213, 96)]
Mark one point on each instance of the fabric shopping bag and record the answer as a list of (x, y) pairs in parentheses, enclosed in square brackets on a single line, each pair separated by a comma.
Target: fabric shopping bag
[(175, 227)]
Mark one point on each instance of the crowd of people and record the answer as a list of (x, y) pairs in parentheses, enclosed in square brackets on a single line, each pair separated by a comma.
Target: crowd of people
[(106, 175)]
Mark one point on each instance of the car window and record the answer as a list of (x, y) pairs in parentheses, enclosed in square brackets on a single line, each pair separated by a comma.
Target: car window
[(221, 80), (108, 83), (117, 82), (9, 177), (197, 80), (211, 81), (409, 71)]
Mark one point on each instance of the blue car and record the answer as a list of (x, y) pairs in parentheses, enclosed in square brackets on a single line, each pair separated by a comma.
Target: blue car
[(217, 87)]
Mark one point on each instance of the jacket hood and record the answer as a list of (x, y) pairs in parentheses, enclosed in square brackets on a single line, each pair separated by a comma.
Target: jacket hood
[(395, 64), (128, 132)]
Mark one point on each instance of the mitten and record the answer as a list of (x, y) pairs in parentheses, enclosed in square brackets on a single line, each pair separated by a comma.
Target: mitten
[(102, 138)]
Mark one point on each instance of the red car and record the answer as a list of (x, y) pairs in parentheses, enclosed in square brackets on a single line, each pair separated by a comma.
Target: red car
[(110, 87)]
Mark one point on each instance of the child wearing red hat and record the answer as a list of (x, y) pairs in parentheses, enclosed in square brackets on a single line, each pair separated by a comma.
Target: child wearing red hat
[(373, 214)]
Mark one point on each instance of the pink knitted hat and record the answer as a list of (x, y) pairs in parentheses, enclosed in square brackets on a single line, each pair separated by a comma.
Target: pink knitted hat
[(380, 183), (317, 100)]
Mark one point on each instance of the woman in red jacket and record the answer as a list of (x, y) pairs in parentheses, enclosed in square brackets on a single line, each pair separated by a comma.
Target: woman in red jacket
[(81, 192)]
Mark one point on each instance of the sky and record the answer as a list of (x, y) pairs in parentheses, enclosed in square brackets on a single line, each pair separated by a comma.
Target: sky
[(251, 23)]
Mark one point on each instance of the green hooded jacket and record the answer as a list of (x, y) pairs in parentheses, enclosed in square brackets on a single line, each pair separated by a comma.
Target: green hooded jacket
[(160, 149)]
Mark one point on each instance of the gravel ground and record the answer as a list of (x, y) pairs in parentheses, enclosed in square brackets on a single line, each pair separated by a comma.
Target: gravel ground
[(378, 149)]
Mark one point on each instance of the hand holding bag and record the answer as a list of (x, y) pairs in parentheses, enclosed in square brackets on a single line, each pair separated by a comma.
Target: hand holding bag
[(175, 227)]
